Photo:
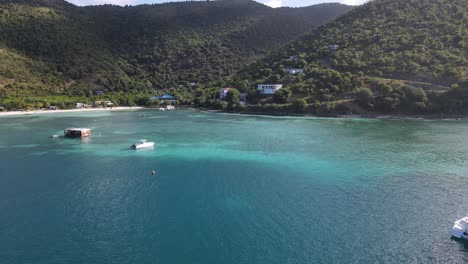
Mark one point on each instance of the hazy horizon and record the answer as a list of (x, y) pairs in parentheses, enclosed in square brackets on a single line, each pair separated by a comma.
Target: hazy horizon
[(272, 3)]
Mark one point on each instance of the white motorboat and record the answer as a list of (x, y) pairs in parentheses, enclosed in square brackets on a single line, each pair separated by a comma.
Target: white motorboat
[(142, 143), (460, 228)]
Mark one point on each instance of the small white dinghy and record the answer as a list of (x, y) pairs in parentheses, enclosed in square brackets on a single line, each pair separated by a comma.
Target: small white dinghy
[(142, 143), (460, 228)]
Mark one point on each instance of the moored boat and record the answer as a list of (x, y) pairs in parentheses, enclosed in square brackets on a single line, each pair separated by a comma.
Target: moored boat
[(460, 228), (142, 143), (77, 132)]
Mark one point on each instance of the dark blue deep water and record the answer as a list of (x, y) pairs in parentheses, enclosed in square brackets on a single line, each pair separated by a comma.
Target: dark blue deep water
[(231, 189)]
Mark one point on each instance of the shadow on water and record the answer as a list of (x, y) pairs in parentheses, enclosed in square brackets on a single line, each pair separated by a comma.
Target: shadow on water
[(463, 244), (142, 150)]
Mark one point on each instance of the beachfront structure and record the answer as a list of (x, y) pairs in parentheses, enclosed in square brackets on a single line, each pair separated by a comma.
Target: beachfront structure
[(77, 132), (269, 88), (101, 103), (294, 70), (82, 105), (168, 108), (164, 97)]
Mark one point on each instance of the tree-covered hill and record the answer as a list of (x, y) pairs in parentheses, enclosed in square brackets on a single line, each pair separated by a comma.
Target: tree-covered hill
[(51, 46), (402, 53)]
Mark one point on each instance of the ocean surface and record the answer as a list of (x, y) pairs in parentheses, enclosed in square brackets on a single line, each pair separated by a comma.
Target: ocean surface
[(231, 189)]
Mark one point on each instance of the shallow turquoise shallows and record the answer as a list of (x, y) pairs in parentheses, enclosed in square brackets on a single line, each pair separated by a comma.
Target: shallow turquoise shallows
[(231, 189)]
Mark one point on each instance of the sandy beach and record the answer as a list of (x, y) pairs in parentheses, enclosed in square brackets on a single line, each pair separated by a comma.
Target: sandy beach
[(39, 112)]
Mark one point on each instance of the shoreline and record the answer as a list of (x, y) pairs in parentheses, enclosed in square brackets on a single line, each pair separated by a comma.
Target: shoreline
[(39, 112), (207, 110), (341, 116), (344, 116)]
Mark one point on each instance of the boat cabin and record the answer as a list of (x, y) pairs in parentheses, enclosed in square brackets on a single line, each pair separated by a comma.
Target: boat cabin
[(77, 132)]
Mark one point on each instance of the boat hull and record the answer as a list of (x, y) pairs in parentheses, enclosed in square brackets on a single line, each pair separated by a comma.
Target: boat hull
[(142, 146), (460, 229), (459, 233)]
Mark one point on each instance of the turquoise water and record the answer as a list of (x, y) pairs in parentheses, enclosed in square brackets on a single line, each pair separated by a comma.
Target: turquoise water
[(231, 189)]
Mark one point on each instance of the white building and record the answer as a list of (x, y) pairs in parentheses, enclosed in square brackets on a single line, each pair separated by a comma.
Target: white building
[(333, 47), (223, 93), (269, 88), (82, 105), (294, 71), (100, 103)]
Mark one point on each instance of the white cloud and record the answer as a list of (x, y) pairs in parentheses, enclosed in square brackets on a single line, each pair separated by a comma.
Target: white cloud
[(101, 2), (353, 2), (299, 3), (274, 3)]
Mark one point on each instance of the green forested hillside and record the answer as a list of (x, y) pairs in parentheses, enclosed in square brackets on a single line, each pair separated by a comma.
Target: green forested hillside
[(391, 56), (51, 46)]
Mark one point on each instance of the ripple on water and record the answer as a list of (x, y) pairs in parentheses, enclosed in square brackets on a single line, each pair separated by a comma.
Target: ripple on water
[(232, 189)]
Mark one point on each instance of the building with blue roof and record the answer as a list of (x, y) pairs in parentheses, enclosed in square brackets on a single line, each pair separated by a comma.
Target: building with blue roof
[(164, 97)]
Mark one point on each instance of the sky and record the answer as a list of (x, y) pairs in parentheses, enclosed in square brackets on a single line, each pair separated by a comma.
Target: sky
[(272, 3)]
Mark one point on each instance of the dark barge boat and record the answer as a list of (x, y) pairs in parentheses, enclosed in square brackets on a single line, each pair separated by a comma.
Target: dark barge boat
[(77, 132)]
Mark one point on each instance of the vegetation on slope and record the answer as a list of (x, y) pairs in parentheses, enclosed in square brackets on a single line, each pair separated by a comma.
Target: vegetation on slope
[(404, 54), (74, 50)]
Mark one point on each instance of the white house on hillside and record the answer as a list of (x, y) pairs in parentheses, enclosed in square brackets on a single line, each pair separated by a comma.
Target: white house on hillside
[(223, 92), (269, 88), (333, 47), (294, 71)]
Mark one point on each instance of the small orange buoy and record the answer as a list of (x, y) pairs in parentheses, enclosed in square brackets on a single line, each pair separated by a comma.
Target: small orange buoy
[(153, 173)]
